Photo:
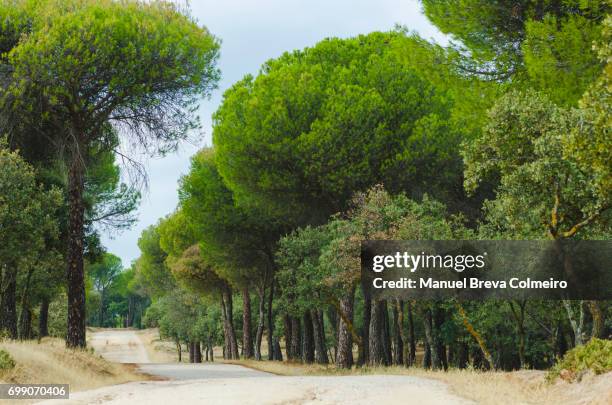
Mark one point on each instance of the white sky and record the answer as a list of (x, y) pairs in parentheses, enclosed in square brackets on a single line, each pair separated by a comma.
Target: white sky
[(252, 32)]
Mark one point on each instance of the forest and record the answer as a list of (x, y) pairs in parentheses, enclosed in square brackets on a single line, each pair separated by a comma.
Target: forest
[(504, 134)]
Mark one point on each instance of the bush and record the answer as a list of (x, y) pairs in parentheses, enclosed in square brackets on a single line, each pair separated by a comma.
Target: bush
[(595, 356), (6, 361)]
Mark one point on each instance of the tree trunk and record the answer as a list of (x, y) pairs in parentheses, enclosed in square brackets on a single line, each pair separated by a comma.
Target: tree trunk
[(429, 338), (386, 336), (278, 354), (376, 356), (197, 352), (332, 315), (247, 337), (179, 350), (260, 322), (519, 317), (438, 321), (411, 337), (344, 359), (599, 324), (271, 321), (319, 337), (191, 347), (75, 336), (308, 346), (296, 338), (229, 316), (364, 348), (287, 325), (8, 309), (398, 341), (43, 318)]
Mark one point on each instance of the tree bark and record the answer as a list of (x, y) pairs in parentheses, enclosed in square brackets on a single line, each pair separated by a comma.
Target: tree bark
[(296, 338), (387, 350), (308, 346), (398, 322), (231, 332), (260, 322), (191, 346), (278, 354), (287, 325), (43, 318), (364, 348), (75, 336), (411, 337), (319, 337), (197, 352), (599, 324), (428, 327), (179, 350), (247, 337), (332, 315), (344, 359), (376, 356), (271, 321), (8, 305)]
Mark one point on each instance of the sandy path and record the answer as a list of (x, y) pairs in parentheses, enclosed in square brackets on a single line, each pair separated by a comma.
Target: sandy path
[(277, 390), (231, 384), (120, 345)]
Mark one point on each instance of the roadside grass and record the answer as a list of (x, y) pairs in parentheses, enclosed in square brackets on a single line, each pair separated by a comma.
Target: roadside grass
[(49, 362), (518, 387)]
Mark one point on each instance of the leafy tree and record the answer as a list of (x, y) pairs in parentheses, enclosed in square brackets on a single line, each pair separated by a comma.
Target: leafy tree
[(137, 67), (103, 275), (27, 220), (317, 125), (238, 241), (549, 42), (151, 267)]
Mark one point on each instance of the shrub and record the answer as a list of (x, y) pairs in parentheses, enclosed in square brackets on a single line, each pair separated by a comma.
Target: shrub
[(6, 361), (595, 356)]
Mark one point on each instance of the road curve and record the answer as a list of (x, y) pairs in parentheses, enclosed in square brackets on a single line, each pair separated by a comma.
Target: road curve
[(226, 384)]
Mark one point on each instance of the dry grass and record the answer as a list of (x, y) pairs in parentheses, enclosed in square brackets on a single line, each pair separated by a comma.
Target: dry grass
[(521, 387), (49, 362)]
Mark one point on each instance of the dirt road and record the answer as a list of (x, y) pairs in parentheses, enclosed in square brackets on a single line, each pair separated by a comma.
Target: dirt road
[(230, 384)]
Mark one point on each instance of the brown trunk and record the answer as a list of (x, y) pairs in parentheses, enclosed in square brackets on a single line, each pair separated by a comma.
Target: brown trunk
[(599, 324), (308, 346), (191, 346), (398, 341), (247, 337), (278, 354), (364, 348), (270, 321), (8, 305), (344, 359), (287, 325), (333, 320), (25, 318), (296, 338), (411, 337), (428, 327), (197, 352), (75, 336), (376, 356), (260, 322), (319, 338), (231, 332), (179, 350), (43, 318), (386, 335)]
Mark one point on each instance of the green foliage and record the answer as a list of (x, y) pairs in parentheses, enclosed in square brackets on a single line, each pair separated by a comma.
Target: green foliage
[(542, 44), (320, 124), (524, 145), (595, 356), (6, 361), (151, 265)]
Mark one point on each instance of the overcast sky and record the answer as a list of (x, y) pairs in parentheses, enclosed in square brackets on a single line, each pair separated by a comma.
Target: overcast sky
[(252, 32)]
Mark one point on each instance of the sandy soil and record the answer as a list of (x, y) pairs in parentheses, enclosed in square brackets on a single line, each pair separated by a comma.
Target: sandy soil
[(232, 384)]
